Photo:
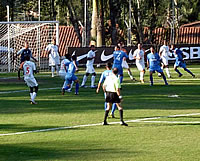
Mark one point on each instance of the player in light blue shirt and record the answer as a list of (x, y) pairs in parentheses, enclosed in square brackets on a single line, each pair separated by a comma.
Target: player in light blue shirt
[(118, 56), (180, 61), (70, 76), (105, 74), (153, 63)]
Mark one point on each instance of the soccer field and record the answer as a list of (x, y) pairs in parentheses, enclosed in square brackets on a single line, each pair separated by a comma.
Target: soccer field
[(163, 120)]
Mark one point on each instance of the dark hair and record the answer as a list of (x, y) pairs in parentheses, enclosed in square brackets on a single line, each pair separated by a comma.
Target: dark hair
[(118, 47), (115, 71), (109, 65), (92, 46), (68, 56), (73, 57)]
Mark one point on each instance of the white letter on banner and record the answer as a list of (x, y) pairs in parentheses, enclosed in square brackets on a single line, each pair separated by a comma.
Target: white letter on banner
[(187, 55), (194, 52)]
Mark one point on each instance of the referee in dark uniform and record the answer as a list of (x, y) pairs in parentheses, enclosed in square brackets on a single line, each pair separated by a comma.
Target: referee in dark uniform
[(112, 88)]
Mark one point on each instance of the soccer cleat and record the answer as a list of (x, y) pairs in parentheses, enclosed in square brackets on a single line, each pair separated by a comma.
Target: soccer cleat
[(124, 124), (33, 103), (180, 75), (105, 123), (69, 90), (169, 77), (166, 84), (193, 76), (112, 115), (142, 81), (76, 93), (63, 92), (94, 87), (82, 86)]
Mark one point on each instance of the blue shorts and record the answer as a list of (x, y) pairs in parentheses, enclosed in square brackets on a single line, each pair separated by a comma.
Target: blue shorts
[(157, 69), (120, 69), (180, 64), (69, 78)]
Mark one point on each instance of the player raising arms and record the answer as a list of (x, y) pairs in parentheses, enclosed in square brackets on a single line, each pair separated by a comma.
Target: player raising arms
[(180, 62), (70, 76), (24, 52), (164, 54), (54, 58), (105, 74), (112, 87), (139, 56), (118, 56), (153, 63), (90, 68), (29, 69)]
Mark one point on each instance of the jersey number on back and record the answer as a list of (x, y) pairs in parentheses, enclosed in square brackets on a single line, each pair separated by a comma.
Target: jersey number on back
[(27, 70)]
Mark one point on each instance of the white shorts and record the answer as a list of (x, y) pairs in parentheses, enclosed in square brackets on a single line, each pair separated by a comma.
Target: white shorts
[(90, 69), (140, 66), (31, 82), (125, 65), (53, 62), (62, 74), (165, 61)]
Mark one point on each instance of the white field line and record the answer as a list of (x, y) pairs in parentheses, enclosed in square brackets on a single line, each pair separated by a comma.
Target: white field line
[(98, 124), (41, 89), (173, 122)]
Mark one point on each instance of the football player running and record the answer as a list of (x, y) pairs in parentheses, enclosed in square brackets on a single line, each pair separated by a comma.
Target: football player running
[(119, 56), (180, 61), (70, 75), (29, 69), (164, 54), (153, 64), (90, 68), (139, 56)]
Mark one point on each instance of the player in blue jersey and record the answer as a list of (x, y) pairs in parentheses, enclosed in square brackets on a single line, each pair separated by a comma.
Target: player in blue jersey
[(105, 74), (180, 61), (118, 56), (153, 63), (70, 76)]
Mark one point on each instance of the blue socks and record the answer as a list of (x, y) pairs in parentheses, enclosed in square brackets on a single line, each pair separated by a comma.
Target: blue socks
[(178, 71), (77, 88), (114, 106), (121, 79), (151, 79)]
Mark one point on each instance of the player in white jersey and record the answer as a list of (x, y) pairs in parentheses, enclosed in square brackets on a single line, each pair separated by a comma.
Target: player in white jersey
[(63, 67), (139, 56), (90, 68), (164, 53), (29, 69), (54, 58)]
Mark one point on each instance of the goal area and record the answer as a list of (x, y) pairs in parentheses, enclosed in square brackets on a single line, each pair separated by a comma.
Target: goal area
[(13, 36)]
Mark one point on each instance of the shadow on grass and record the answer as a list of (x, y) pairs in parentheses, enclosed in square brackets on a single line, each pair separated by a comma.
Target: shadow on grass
[(62, 150)]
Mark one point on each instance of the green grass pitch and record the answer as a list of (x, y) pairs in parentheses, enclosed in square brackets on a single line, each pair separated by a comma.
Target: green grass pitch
[(160, 139)]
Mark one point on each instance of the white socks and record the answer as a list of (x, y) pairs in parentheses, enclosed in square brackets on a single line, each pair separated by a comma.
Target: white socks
[(167, 71), (52, 70), (57, 69), (33, 95), (92, 81), (141, 76), (130, 74), (84, 80)]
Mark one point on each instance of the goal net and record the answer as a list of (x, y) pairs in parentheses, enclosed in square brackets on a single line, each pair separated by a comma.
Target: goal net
[(13, 35)]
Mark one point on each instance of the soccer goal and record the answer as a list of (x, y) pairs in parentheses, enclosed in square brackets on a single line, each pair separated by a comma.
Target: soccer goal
[(13, 35)]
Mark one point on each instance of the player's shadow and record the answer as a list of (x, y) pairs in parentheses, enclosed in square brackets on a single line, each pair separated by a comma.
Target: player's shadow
[(61, 149)]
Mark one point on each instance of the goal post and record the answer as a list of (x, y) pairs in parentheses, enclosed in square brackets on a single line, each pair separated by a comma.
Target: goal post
[(13, 35)]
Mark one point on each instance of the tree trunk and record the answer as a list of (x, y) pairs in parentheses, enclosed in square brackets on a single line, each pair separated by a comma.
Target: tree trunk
[(94, 20), (99, 33)]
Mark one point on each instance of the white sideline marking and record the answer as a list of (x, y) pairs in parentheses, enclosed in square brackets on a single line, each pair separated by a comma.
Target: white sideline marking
[(42, 89), (90, 125), (174, 122)]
